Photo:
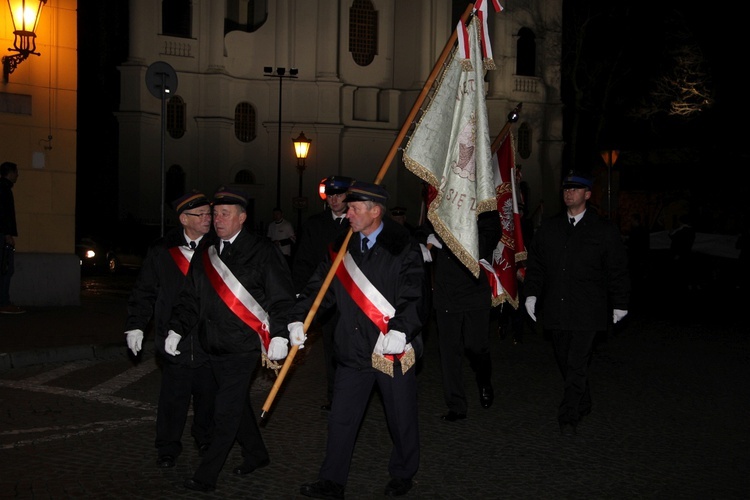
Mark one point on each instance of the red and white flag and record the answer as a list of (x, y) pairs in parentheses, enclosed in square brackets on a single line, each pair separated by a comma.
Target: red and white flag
[(450, 150), (510, 251)]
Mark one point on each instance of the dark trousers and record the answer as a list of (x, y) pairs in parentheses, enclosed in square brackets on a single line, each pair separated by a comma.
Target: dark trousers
[(328, 353), (458, 333), (352, 390), (7, 268), (178, 384), (234, 417), (573, 355)]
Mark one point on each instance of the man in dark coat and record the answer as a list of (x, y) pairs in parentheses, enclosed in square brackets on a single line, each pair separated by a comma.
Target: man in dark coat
[(155, 293), (462, 306), (317, 235), (379, 292), (8, 233), (237, 293), (578, 268)]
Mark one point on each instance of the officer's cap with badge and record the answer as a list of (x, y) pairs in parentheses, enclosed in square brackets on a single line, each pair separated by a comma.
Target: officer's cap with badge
[(188, 201), (336, 184), (576, 179), (228, 196)]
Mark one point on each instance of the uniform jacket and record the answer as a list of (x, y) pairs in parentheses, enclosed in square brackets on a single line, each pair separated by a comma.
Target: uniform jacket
[(7, 208), (155, 293), (262, 269), (395, 267), (575, 271), (317, 234), (454, 288)]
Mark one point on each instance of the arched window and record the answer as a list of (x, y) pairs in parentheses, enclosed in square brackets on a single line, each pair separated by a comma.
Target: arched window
[(176, 18), (363, 32), (526, 53), (176, 117), (244, 177), (524, 141), (245, 15), (244, 122), (175, 183)]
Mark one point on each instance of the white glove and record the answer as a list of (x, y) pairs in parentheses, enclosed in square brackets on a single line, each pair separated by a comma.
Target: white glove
[(170, 345), (135, 340), (426, 255), (278, 348), (531, 306), (618, 314), (432, 240), (394, 342), (297, 334)]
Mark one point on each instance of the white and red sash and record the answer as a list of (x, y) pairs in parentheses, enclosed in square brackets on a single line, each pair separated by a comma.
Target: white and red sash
[(182, 256), (236, 297), (376, 307)]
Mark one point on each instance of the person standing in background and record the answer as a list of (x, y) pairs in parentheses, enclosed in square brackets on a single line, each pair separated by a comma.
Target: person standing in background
[(156, 291), (577, 268), (281, 232), (316, 237), (8, 233), (463, 307)]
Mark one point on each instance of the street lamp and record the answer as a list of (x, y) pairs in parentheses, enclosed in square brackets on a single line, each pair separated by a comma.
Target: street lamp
[(301, 149), (25, 19), (280, 74), (610, 158)]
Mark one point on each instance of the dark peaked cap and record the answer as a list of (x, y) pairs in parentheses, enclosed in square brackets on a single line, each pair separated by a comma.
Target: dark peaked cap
[(366, 191), (227, 196), (193, 199)]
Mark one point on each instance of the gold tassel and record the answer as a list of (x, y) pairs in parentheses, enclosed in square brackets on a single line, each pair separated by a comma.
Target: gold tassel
[(272, 365), (385, 365)]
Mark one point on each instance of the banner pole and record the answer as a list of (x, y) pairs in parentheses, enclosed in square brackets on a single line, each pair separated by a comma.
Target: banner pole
[(378, 179)]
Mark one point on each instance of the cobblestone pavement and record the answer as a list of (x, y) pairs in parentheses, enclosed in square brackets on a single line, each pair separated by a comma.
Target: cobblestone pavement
[(670, 420)]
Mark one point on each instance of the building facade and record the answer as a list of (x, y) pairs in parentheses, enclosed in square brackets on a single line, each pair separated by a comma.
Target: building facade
[(38, 130), (359, 66)]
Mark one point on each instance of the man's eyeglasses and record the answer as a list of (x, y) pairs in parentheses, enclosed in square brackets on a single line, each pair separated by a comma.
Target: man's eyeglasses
[(200, 216)]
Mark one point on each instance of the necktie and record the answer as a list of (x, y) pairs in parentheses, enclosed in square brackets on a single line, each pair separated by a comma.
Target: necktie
[(192, 245), (364, 244), (572, 221), (225, 248)]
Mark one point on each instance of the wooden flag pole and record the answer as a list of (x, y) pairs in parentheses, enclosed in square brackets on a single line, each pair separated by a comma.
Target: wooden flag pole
[(378, 179)]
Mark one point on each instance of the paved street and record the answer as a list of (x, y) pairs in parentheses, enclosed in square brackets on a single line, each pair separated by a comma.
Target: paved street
[(671, 398)]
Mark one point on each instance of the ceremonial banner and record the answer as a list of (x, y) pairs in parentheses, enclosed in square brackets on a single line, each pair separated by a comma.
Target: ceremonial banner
[(450, 149), (510, 250)]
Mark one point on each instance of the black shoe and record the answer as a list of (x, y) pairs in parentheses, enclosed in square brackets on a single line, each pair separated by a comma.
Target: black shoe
[(397, 487), (194, 485), (486, 396), (246, 468), (322, 488), (568, 429), (452, 416), (165, 462), (202, 449)]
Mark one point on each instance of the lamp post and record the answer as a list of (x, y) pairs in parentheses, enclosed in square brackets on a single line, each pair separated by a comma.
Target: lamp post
[(610, 158), (25, 19), (301, 150), (280, 73)]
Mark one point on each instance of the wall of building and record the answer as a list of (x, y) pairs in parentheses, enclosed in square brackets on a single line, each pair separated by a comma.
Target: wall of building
[(351, 113), (38, 127)]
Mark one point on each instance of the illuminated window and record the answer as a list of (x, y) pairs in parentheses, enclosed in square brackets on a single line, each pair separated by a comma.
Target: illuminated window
[(363, 32), (176, 117), (244, 122)]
